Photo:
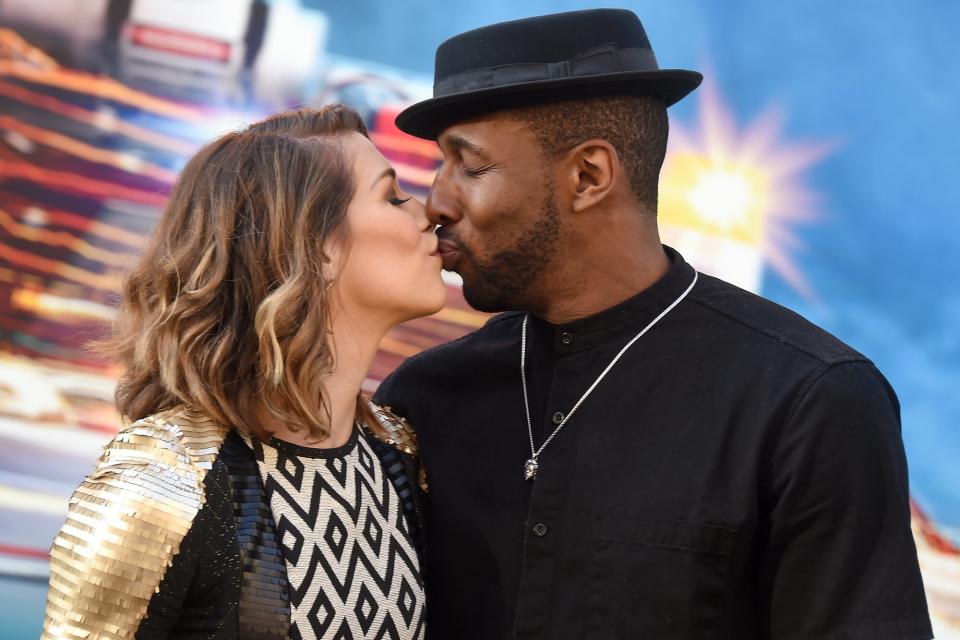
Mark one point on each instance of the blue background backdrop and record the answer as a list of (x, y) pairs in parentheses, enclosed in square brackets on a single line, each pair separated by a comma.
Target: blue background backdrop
[(879, 78)]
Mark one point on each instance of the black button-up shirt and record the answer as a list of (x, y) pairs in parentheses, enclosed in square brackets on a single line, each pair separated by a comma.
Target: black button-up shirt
[(739, 474)]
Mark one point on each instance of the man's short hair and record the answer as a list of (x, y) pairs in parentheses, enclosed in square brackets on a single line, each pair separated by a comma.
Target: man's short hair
[(636, 126)]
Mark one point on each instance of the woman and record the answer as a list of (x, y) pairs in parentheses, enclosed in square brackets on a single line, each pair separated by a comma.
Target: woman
[(255, 494)]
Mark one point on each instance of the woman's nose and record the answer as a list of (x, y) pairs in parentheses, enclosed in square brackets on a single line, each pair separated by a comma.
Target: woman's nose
[(419, 213)]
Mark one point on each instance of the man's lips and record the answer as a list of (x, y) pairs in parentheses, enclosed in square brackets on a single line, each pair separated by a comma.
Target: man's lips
[(448, 253)]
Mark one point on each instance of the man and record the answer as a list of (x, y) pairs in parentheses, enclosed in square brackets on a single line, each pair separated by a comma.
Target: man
[(633, 450)]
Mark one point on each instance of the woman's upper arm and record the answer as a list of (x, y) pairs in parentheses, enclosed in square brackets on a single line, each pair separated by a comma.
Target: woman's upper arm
[(125, 524)]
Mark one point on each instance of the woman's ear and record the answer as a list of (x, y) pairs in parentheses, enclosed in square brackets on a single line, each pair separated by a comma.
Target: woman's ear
[(592, 170), (333, 261)]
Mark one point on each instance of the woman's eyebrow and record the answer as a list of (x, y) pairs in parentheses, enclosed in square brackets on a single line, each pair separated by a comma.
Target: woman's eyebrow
[(388, 172)]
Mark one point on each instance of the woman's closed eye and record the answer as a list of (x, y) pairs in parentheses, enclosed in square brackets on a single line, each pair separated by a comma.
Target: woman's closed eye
[(397, 201)]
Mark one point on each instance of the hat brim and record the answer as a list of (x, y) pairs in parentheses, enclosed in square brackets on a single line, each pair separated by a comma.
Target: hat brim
[(427, 119)]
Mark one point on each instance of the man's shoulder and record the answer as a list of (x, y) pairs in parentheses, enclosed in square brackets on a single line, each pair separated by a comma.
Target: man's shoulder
[(499, 333), (461, 365), (763, 323)]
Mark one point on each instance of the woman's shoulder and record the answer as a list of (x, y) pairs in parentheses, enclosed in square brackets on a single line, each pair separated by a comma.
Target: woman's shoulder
[(127, 519), (179, 438)]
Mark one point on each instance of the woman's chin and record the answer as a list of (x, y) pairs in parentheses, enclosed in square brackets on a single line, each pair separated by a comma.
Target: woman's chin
[(436, 303), (429, 300)]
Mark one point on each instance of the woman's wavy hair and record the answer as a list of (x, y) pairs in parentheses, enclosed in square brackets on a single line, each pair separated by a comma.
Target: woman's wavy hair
[(228, 309)]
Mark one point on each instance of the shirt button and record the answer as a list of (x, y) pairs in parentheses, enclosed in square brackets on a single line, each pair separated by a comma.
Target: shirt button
[(558, 417), (566, 337), (539, 529)]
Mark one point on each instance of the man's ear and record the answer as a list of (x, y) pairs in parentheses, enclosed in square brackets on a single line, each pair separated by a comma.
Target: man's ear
[(592, 169)]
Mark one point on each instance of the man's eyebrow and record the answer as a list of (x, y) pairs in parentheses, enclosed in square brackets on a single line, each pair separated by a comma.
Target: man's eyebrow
[(457, 141), (389, 171)]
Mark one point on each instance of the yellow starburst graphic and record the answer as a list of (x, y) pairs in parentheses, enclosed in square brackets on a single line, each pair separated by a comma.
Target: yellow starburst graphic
[(730, 196)]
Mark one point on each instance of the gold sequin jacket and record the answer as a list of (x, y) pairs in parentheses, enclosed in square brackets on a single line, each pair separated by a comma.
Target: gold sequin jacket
[(172, 536)]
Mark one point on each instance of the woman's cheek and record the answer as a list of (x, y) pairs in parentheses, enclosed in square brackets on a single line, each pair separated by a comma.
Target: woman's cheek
[(389, 245), (388, 254)]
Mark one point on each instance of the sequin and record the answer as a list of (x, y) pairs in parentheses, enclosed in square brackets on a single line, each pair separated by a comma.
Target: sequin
[(264, 599), (401, 436), (125, 524)]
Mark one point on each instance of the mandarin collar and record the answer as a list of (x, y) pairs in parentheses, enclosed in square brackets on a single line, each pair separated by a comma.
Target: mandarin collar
[(620, 322)]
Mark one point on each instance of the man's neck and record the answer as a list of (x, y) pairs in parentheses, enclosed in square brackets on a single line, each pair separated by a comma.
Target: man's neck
[(602, 279)]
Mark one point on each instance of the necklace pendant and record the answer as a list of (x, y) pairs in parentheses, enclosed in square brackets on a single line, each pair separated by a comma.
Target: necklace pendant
[(530, 469)]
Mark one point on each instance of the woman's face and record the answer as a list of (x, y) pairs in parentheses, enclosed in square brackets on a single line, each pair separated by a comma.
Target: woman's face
[(391, 270)]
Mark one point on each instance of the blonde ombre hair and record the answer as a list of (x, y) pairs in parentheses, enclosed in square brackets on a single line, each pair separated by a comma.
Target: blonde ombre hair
[(227, 310)]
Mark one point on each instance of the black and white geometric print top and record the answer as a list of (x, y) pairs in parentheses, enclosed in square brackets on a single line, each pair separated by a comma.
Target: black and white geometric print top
[(351, 565)]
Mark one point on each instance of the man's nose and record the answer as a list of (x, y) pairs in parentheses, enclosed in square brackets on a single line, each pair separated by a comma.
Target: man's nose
[(441, 204)]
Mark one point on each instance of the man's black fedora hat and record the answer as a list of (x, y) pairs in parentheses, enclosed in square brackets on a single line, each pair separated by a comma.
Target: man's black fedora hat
[(575, 54)]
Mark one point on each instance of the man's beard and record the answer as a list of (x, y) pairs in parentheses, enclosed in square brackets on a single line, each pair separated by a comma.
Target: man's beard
[(509, 279)]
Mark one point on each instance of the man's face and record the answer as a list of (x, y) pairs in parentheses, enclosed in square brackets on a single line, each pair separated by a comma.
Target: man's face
[(494, 202)]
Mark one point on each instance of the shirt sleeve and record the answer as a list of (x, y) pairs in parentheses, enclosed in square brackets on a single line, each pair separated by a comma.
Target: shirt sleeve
[(166, 607), (124, 527), (840, 560)]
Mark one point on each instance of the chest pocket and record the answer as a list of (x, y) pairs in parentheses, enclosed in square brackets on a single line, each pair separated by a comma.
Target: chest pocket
[(658, 579)]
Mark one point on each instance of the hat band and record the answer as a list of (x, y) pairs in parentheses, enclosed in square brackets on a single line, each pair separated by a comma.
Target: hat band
[(605, 59)]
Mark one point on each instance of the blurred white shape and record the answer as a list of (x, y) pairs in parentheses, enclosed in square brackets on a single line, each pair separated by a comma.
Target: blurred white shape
[(54, 395), (24, 392), (35, 217), (224, 20), (736, 262), (33, 501), (130, 162), (60, 307), (190, 48), (939, 559), (293, 44), (106, 117), (28, 568), (722, 197), (451, 278), (19, 142)]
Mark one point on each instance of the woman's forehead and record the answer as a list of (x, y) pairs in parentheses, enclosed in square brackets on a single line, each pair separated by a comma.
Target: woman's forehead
[(367, 159)]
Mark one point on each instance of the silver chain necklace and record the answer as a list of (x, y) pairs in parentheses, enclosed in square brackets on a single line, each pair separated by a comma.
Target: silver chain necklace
[(531, 465)]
